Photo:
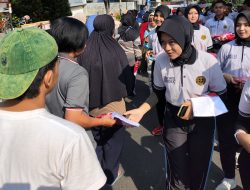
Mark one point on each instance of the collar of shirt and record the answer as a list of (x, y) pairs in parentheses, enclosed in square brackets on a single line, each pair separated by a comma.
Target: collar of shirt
[(66, 57), (216, 19)]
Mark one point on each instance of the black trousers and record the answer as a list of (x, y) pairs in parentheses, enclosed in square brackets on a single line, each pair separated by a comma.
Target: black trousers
[(109, 147), (189, 152), (225, 127), (227, 144), (244, 167)]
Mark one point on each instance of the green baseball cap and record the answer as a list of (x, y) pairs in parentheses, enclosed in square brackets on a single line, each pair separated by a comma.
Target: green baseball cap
[(22, 53)]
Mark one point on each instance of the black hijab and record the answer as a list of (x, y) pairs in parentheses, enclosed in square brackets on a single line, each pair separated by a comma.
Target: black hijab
[(181, 30), (106, 62), (164, 10), (239, 41), (196, 25), (129, 30)]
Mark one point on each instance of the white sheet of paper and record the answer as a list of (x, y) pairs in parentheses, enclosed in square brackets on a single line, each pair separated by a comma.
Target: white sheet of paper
[(207, 106), (124, 120)]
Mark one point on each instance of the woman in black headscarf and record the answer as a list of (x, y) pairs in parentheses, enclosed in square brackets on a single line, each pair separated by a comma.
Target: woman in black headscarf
[(129, 30), (181, 73), (129, 39), (234, 61), (109, 76), (202, 39)]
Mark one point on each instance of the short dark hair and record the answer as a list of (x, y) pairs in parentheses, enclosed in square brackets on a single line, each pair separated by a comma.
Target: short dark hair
[(69, 33), (219, 1), (33, 90)]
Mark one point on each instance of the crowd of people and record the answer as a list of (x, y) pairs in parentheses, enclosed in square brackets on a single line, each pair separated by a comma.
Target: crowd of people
[(60, 86)]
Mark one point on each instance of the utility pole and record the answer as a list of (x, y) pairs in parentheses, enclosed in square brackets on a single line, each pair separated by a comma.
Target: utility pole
[(10, 18), (107, 6), (120, 9)]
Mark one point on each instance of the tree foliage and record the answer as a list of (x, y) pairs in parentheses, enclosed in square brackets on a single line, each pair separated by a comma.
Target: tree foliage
[(40, 10)]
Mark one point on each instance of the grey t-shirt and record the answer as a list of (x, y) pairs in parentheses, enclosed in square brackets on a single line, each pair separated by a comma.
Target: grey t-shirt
[(72, 89)]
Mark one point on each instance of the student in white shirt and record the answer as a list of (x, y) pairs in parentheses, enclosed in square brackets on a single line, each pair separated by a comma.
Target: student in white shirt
[(242, 135), (202, 39), (181, 73), (219, 24), (161, 13), (234, 59)]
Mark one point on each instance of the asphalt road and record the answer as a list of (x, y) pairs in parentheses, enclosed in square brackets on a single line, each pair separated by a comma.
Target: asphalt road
[(143, 154)]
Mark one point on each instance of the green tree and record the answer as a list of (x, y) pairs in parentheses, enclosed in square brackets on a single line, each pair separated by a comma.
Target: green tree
[(39, 10), (54, 9), (26, 7)]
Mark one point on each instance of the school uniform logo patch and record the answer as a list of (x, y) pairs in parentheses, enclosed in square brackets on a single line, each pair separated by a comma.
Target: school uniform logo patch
[(200, 80), (203, 37), (4, 61), (169, 80)]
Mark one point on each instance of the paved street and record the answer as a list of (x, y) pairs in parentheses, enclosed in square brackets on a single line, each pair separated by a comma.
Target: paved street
[(142, 158)]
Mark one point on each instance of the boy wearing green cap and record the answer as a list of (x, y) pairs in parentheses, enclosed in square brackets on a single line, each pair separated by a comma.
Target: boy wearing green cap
[(37, 149)]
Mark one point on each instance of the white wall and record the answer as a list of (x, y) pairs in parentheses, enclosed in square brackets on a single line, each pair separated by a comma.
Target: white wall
[(78, 13), (99, 8), (77, 2)]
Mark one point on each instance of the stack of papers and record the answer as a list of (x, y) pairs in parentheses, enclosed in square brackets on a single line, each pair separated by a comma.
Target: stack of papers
[(208, 106), (124, 120)]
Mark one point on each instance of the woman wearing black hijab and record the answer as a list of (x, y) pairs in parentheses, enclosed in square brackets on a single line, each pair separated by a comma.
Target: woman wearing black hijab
[(181, 73), (234, 58), (202, 39), (129, 39), (109, 76)]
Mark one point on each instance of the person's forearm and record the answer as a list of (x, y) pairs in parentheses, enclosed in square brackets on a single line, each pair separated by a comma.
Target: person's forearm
[(244, 140), (145, 107), (155, 96), (83, 119)]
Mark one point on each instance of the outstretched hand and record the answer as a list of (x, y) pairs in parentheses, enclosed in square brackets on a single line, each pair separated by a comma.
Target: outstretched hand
[(134, 115), (107, 120)]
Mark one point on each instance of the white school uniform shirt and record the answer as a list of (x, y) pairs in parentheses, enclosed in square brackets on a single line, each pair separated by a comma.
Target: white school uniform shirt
[(235, 59), (219, 27), (202, 39), (194, 80), (244, 105), (153, 43)]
